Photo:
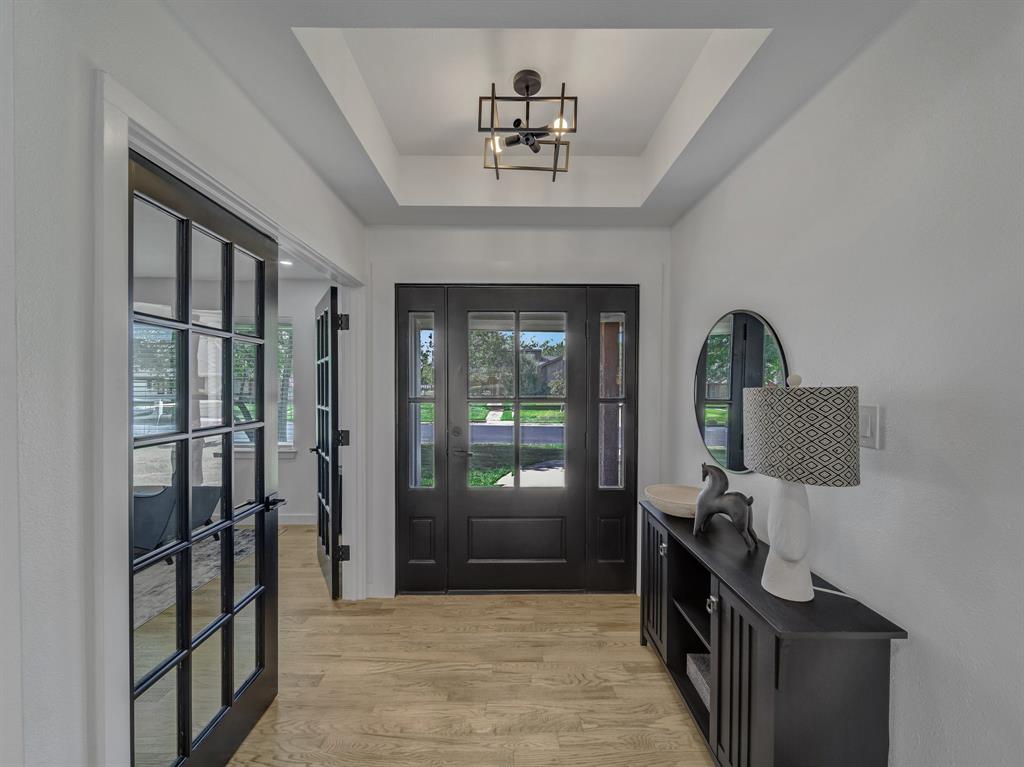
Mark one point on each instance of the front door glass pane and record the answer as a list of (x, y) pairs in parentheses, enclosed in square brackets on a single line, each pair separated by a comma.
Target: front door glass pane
[(609, 438), (156, 496), (154, 616), (156, 391), (421, 327), (491, 445), (244, 375), (207, 684), (206, 580), (155, 287), (206, 365), (491, 359), (612, 354), (421, 456), (245, 296), (208, 489), (156, 723), (542, 354), (542, 445), (207, 279)]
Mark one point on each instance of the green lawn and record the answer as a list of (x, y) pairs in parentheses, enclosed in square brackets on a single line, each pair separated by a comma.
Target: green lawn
[(716, 415), (478, 414)]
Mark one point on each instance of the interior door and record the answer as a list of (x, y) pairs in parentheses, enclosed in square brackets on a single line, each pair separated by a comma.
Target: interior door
[(203, 526), (517, 414), (329, 441)]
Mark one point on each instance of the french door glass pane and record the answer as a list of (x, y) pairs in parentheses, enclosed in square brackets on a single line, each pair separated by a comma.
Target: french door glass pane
[(156, 354), (208, 489), (421, 346), (207, 385), (244, 372), (246, 294), (156, 723), (491, 359), (154, 616), (244, 558), (246, 456), (719, 361), (542, 354), (609, 438), (542, 445), (492, 459), (154, 261), (716, 431), (207, 279), (245, 644), (206, 581), (421, 454), (613, 334), (207, 684), (156, 496)]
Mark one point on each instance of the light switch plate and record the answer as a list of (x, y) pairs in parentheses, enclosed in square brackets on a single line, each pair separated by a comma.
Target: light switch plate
[(869, 426)]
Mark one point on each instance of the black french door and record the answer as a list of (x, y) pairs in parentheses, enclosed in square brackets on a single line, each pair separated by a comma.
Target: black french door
[(516, 438), (329, 441), (203, 524)]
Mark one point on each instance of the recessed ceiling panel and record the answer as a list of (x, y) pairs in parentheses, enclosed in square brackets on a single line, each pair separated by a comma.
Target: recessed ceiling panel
[(426, 82)]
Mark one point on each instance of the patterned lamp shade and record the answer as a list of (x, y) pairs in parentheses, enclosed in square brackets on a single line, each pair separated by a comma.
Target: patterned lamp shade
[(806, 434)]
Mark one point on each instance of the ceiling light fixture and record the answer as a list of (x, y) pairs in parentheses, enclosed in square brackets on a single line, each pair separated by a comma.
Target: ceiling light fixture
[(521, 133), (284, 262)]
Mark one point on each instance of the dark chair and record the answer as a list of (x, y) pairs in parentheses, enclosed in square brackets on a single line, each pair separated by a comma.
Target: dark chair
[(205, 502), (154, 517)]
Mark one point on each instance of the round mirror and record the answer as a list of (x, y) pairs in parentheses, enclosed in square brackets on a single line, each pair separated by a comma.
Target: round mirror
[(741, 351)]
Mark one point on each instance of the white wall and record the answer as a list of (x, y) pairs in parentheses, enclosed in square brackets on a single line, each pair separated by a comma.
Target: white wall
[(296, 301), (880, 232), (449, 255), (57, 48), (10, 549)]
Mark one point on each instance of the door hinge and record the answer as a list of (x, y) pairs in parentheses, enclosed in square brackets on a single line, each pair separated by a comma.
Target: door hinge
[(343, 437), (341, 322), (344, 553)]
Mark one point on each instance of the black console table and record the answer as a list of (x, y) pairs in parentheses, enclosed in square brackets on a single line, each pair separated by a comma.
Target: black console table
[(788, 684)]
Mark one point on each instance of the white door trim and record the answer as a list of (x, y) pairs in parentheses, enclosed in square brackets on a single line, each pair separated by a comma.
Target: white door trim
[(126, 122)]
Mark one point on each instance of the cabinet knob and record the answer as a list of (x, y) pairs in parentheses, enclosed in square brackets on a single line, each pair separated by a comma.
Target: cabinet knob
[(711, 604), (663, 548)]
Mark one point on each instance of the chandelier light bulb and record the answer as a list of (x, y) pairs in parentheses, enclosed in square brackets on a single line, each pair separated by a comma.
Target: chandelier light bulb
[(560, 125), (498, 144)]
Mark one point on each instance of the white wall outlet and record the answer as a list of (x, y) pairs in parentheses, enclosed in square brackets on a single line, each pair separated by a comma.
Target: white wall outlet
[(869, 426)]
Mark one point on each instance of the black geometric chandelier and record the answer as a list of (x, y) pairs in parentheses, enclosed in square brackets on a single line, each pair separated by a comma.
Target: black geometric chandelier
[(545, 134)]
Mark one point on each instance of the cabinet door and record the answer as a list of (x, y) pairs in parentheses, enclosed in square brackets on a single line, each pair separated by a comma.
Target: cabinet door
[(742, 682), (654, 586)]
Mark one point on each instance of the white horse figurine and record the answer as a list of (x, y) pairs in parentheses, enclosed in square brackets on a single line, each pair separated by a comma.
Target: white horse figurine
[(714, 500)]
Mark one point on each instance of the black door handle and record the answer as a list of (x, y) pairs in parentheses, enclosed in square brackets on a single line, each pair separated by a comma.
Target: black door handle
[(313, 449), (461, 451), (275, 502)]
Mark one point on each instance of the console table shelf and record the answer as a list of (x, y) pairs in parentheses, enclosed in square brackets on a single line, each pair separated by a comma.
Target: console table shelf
[(793, 684)]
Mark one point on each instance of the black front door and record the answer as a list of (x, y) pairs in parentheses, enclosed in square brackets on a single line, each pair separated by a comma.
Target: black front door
[(517, 412), (516, 457), (329, 440)]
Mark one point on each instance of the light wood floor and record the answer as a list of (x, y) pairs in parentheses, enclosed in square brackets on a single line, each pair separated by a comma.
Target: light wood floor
[(464, 680)]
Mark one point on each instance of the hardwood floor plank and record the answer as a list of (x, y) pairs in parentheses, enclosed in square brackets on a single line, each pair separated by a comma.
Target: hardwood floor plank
[(517, 680)]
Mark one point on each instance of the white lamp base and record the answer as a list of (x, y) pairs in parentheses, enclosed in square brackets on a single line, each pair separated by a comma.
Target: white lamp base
[(787, 574)]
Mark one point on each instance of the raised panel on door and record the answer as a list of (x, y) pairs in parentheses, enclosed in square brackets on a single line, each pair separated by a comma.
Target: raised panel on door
[(742, 671), (655, 582)]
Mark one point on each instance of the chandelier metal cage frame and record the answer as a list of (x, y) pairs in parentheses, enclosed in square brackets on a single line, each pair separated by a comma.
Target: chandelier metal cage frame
[(527, 83)]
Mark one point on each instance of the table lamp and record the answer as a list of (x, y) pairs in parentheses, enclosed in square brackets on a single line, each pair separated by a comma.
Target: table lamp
[(800, 436)]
